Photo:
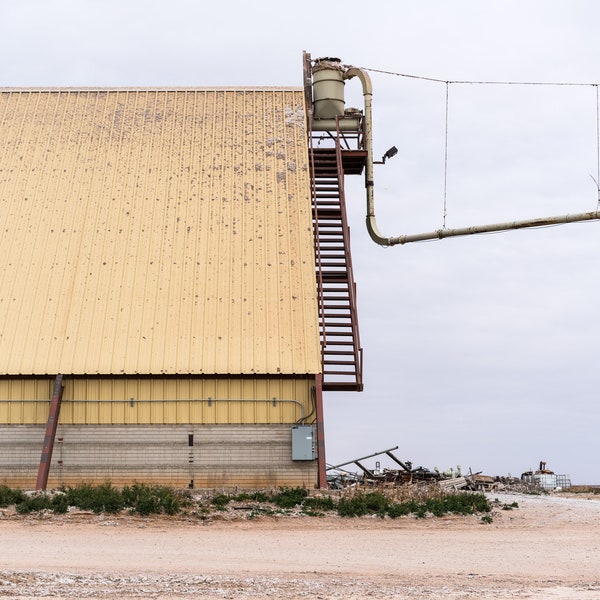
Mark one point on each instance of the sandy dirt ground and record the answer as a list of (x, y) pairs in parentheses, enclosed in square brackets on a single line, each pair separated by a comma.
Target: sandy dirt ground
[(548, 547)]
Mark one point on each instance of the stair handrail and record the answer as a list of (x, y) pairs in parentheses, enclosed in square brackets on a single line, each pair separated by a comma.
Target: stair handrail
[(318, 258), (356, 347)]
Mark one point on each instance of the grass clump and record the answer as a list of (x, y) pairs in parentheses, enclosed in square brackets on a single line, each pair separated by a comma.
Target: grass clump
[(289, 497), (377, 503), (99, 499), (319, 503), (34, 503), (144, 499), (8, 496), (363, 504), (252, 497), (220, 501), (139, 498)]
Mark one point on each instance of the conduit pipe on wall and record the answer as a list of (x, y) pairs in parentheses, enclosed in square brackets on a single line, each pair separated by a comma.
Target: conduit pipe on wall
[(439, 233)]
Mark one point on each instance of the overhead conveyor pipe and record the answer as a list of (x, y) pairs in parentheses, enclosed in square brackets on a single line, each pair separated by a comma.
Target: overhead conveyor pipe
[(439, 233)]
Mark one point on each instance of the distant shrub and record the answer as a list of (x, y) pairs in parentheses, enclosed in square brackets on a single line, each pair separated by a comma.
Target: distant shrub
[(145, 499), (319, 503), (399, 509), (60, 503), (376, 503), (253, 497), (34, 503), (99, 499), (352, 507), (9, 496), (289, 497), (220, 501)]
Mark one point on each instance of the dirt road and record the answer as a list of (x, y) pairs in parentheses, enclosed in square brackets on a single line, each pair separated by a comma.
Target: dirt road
[(548, 547)]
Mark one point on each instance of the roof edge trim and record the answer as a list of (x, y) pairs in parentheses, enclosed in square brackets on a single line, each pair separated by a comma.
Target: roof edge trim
[(154, 89)]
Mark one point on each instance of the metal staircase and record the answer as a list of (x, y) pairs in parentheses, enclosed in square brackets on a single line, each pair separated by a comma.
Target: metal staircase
[(340, 342)]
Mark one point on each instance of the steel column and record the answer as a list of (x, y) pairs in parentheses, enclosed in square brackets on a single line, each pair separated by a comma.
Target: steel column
[(322, 475), (46, 458)]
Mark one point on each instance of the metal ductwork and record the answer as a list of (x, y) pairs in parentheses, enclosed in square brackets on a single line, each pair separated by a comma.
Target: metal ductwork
[(329, 77)]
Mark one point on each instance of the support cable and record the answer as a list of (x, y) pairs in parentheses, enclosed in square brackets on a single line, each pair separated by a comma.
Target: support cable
[(446, 160), (494, 227), (481, 82), (597, 180)]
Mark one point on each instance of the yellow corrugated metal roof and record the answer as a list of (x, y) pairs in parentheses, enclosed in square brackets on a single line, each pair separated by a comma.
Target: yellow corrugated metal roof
[(156, 231)]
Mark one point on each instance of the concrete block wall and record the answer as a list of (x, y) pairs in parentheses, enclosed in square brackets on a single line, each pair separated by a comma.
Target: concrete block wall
[(199, 456)]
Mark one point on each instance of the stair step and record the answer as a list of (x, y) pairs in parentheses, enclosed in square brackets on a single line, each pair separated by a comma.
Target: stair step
[(340, 362), (339, 334), (340, 353)]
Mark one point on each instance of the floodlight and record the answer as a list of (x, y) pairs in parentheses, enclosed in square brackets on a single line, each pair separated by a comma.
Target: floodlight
[(390, 154)]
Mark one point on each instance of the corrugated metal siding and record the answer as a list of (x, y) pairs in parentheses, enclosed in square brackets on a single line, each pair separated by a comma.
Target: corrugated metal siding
[(156, 231), (159, 401)]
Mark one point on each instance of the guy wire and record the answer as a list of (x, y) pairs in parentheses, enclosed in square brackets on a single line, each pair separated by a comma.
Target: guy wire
[(483, 82), (598, 147), (446, 160), (448, 82)]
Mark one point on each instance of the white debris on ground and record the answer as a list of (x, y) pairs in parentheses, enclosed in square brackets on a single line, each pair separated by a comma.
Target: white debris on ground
[(553, 508), (36, 585)]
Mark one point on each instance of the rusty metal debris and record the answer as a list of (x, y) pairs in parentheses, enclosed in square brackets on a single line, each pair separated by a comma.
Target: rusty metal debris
[(339, 476)]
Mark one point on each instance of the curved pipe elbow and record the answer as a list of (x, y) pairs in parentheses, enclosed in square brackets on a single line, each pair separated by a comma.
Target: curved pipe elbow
[(375, 234), (364, 79)]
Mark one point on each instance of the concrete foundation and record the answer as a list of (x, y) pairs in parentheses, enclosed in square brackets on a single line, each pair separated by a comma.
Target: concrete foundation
[(190, 456)]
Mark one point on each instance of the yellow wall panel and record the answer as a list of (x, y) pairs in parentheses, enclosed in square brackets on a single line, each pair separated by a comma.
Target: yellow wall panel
[(160, 401)]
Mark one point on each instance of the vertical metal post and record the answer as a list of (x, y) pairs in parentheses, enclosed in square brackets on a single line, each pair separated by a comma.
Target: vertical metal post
[(322, 475), (46, 458), (307, 72)]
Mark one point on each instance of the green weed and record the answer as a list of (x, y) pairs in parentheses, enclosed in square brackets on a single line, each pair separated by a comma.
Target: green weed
[(8, 496), (289, 497)]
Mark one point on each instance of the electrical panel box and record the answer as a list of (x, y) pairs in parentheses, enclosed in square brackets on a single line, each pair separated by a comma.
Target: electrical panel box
[(303, 442)]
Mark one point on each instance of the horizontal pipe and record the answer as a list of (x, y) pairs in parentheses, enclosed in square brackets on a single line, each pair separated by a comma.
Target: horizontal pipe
[(345, 124), (210, 401), (444, 233)]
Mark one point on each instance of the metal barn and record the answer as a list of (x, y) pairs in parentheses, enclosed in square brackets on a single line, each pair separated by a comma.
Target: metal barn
[(176, 286)]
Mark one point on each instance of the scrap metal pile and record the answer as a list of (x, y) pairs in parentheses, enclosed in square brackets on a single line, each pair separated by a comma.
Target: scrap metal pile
[(339, 477)]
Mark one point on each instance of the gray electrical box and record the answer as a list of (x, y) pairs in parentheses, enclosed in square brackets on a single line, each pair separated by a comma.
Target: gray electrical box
[(303, 442)]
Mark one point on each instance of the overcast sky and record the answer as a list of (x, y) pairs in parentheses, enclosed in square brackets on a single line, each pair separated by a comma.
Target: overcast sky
[(481, 351)]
